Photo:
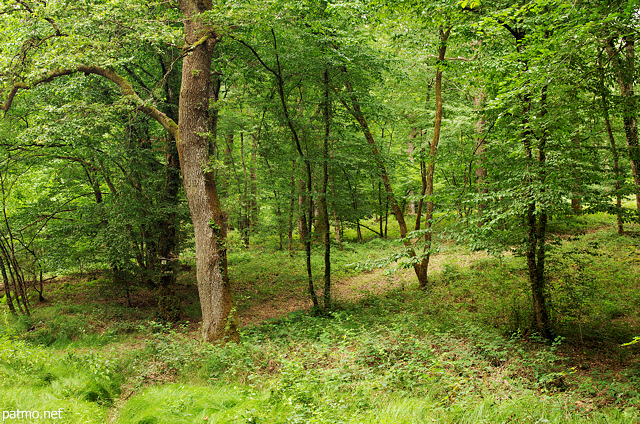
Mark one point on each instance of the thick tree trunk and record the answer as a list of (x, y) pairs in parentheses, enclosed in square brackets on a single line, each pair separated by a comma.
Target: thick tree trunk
[(219, 316)]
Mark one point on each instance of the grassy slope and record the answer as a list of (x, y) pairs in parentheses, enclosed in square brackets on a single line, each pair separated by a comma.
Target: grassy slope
[(460, 353)]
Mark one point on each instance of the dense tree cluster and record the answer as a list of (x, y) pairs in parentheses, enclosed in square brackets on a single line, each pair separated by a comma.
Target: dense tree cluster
[(135, 130)]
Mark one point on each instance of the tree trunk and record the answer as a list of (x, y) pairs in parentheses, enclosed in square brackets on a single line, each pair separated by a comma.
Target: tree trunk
[(356, 112), (302, 216), (219, 316), (245, 205), (535, 215), (292, 202), (168, 302), (612, 142), (625, 66), (7, 287), (481, 149), (433, 150), (307, 215), (254, 207), (380, 209), (326, 236), (576, 198), (537, 223), (410, 149)]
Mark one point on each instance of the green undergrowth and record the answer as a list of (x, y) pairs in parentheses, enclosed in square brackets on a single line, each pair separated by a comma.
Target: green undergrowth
[(461, 352), (388, 359)]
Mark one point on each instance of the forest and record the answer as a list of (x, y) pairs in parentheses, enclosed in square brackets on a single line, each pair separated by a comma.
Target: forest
[(319, 211)]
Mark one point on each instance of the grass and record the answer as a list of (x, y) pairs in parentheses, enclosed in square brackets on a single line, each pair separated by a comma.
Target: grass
[(460, 353)]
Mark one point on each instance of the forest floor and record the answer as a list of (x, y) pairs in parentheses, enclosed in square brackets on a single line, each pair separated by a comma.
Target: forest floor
[(352, 288), (461, 352)]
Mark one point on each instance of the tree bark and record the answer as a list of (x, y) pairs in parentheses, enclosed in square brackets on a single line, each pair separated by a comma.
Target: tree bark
[(625, 67), (168, 302), (326, 235), (219, 315), (481, 149), (356, 112), (612, 143), (292, 201), (7, 287), (535, 215), (433, 150)]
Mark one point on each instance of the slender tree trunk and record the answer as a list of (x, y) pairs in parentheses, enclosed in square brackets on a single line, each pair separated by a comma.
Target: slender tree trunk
[(336, 221), (423, 190), (307, 215), (433, 150), (625, 67), (302, 216), (537, 223), (576, 199), (412, 202), (614, 150), (254, 207), (245, 207), (481, 171), (7, 287), (18, 287), (380, 209), (13, 268), (292, 202), (326, 236), (356, 112), (536, 213), (386, 217), (168, 302)]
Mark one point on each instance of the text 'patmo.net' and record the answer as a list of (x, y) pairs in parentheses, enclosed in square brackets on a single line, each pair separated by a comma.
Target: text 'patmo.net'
[(31, 415)]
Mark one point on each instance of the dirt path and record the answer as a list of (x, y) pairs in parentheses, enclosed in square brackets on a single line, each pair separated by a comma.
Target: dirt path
[(352, 288)]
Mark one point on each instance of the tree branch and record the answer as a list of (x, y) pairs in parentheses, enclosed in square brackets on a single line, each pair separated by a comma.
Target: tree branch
[(127, 90), (255, 53)]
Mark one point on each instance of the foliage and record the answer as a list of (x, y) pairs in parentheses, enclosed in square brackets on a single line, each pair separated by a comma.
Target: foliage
[(322, 111)]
